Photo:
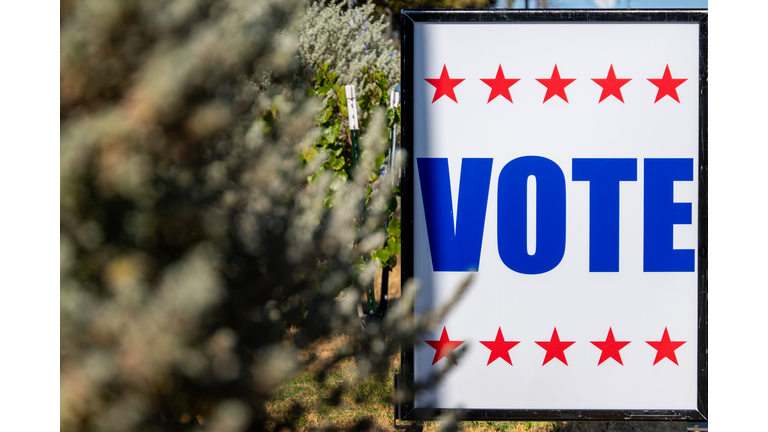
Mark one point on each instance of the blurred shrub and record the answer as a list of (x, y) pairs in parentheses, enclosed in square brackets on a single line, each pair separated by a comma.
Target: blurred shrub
[(190, 238)]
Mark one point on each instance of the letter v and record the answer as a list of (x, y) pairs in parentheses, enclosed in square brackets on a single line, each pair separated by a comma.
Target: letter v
[(455, 249)]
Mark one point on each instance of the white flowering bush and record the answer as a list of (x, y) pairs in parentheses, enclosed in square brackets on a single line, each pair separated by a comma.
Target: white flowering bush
[(347, 39)]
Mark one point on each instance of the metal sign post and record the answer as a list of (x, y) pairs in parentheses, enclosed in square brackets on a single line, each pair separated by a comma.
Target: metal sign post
[(561, 158)]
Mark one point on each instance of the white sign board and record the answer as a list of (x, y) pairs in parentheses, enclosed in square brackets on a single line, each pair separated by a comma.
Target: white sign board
[(560, 162)]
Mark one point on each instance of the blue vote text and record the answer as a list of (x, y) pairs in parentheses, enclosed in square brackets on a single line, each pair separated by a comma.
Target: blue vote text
[(457, 246)]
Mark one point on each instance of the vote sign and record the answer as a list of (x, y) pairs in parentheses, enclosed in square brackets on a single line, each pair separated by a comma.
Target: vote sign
[(560, 157)]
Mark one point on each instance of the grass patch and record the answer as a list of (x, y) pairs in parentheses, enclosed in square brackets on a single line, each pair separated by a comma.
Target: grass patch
[(334, 399), (338, 399)]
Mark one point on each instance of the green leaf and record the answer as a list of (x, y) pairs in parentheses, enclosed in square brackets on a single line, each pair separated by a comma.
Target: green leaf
[(360, 264), (339, 177), (328, 162), (364, 120), (380, 159), (342, 94), (308, 154), (312, 179), (365, 103), (393, 245), (392, 261), (392, 204), (331, 133), (328, 202), (323, 89), (383, 255), (338, 163), (324, 115), (372, 177), (393, 228)]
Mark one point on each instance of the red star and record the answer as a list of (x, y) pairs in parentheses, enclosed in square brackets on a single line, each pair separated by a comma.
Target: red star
[(555, 348), (667, 85), (610, 348), (499, 347), (444, 85), (665, 348), (444, 347), (556, 85), (500, 85), (611, 85)]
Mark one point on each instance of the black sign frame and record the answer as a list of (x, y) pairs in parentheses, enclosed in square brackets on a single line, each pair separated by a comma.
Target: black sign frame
[(404, 381)]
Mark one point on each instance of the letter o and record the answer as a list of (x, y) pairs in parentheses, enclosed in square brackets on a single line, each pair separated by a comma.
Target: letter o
[(550, 215)]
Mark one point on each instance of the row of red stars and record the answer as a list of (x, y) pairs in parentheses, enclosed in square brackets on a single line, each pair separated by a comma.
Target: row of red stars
[(667, 86), (665, 348)]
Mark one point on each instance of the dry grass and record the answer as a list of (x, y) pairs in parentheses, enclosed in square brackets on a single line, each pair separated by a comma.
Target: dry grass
[(336, 398), (312, 400)]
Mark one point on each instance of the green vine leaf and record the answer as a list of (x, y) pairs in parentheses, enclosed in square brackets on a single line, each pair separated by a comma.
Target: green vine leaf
[(338, 163), (331, 117), (392, 204), (382, 254), (393, 246), (324, 115), (342, 95), (308, 154), (312, 179), (324, 87), (331, 133), (340, 176), (328, 202), (393, 228), (380, 159)]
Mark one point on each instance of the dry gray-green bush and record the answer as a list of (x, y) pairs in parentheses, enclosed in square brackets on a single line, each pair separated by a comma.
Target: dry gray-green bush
[(348, 39), (190, 238)]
